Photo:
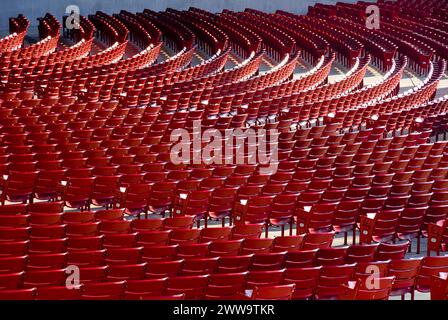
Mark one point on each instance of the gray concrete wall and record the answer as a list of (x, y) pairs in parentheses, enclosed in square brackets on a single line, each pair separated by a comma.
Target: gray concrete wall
[(37, 8)]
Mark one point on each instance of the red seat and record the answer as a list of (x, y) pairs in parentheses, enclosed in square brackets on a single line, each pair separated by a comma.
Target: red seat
[(360, 291), (58, 293), (192, 286), (281, 292), (20, 294), (103, 291), (305, 280), (264, 278), (431, 266), (142, 289), (405, 272), (225, 286), (439, 287)]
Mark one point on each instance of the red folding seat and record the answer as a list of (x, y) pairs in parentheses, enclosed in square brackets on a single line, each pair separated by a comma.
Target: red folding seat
[(361, 253), (82, 229), (430, 267), (225, 286), (48, 232), (123, 256), (231, 264), (14, 221), (44, 278), (58, 293), (305, 280), (103, 291), (162, 196), (439, 199), (221, 204), (134, 199), (256, 245), (281, 292), (378, 191), (388, 251), (410, 224), (77, 192), (12, 264), (20, 294), (115, 227), (159, 253), (14, 235), (211, 183), (86, 258), (74, 217), (192, 286), (78, 241), (144, 289), (330, 256), (256, 210), (46, 261), (109, 215), (45, 219), (48, 181), (185, 236), (246, 192), (419, 200), (421, 175), (223, 171), (159, 269), (193, 250), (264, 278), (212, 234), (345, 218), (282, 211), (317, 240), (18, 187), (364, 270), (119, 240), (287, 243), (126, 272), (236, 181), (268, 261), (105, 171), (11, 281), (308, 198), (244, 231), (147, 224), (47, 246), (379, 227), (440, 186), (186, 186), (219, 248), (439, 287), (359, 290), (405, 272), (319, 217), (371, 205), (105, 191), (179, 222), (13, 209), (153, 237), (330, 280), (198, 266), (195, 203)]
